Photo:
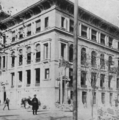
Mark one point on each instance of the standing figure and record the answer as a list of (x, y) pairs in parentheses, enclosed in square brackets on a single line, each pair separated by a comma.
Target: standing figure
[(34, 105), (6, 103)]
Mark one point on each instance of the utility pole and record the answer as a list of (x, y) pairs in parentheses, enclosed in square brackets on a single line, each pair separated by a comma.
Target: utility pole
[(75, 53)]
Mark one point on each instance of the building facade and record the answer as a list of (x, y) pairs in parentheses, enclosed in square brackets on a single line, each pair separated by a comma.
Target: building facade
[(37, 38)]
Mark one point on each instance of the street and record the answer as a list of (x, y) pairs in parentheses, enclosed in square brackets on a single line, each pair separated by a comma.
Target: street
[(17, 113)]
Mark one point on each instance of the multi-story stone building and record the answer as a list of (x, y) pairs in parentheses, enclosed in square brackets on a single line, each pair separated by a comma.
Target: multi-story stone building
[(39, 36)]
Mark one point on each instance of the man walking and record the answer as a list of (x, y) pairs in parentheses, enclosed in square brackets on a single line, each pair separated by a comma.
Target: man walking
[(34, 105), (6, 103)]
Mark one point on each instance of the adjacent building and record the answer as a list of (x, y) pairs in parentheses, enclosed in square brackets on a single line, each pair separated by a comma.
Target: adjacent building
[(35, 41)]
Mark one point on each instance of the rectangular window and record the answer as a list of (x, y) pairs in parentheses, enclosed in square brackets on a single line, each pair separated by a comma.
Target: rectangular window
[(102, 39), (29, 30), (93, 80), (20, 76), (118, 45), (37, 76), (13, 36), (84, 97), (28, 58), (13, 61), (71, 77), (46, 51), (12, 80), (3, 61), (102, 80), (109, 81), (71, 26), (83, 78), (0, 62), (84, 31), (103, 98), (4, 39), (47, 73), (37, 56), (20, 59), (63, 50), (117, 83), (110, 42), (94, 98), (94, 35), (110, 99), (28, 77), (21, 33), (62, 22), (46, 22), (38, 26)]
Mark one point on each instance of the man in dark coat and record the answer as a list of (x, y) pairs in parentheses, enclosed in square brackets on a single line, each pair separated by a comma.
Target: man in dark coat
[(34, 105)]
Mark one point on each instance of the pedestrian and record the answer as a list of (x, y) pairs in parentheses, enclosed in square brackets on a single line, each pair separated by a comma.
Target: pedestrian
[(34, 105), (7, 101)]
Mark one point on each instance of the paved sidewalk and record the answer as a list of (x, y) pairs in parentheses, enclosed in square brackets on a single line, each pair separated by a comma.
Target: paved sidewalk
[(18, 113)]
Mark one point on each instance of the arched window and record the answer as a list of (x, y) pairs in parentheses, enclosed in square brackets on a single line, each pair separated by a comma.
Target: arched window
[(13, 59), (102, 61), (83, 56), (110, 62), (38, 52), (20, 57), (71, 53), (28, 55), (93, 58)]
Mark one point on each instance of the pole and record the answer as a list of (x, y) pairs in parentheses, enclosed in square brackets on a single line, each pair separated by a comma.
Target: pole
[(75, 53), (61, 86)]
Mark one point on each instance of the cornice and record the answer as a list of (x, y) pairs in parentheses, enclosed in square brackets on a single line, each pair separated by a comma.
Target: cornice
[(66, 6)]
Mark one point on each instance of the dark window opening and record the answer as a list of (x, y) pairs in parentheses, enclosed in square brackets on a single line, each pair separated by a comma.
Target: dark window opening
[(28, 55), (13, 36), (93, 59), (4, 39), (110, 100), (109, 81), (37, 76), (29, 30), (110, 62), (21, 33), (102, 61), (83, 56), (84, 31), (38, 26), (117, 83), (63, 48), (47, 73), (12, 80), (28, 77), (102, 80), (94, 98), (71, 27), (0, 62), (93, 80), (84, 97), (71, 53), (46, 22), (94, 35), (102, 40), (3, 61), (20, 76), (83, 79), (38, 53), (71, 77), (110, 41)]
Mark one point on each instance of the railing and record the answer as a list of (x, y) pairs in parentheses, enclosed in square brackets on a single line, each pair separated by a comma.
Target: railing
[(38, 29), (37, 84), (20, 63), (12, 65), (37, 59), (28, 61)]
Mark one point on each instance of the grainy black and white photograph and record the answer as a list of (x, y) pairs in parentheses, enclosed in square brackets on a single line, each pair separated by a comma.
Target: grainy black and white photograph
[(59, 59)]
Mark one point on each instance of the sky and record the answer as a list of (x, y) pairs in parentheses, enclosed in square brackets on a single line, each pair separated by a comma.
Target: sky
[(106, 9)]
